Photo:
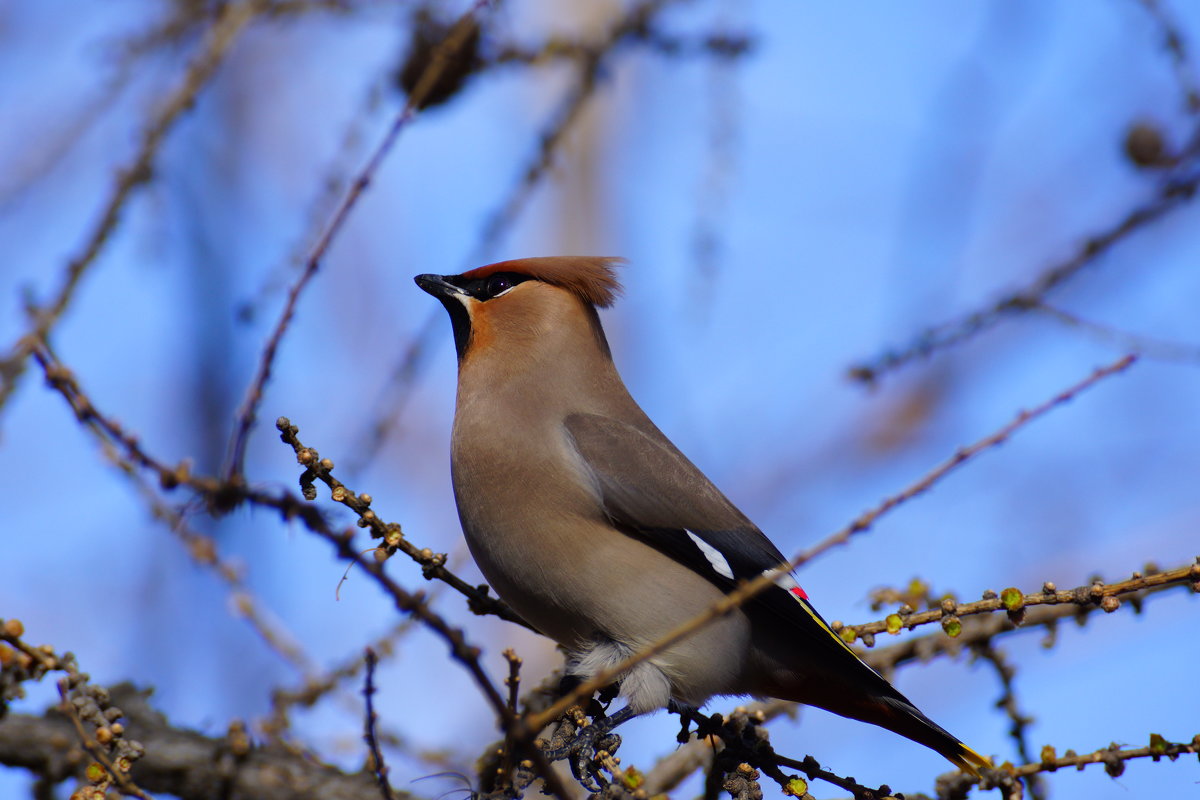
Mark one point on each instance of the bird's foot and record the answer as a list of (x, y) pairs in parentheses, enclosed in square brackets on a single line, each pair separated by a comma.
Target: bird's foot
[(586, 744)]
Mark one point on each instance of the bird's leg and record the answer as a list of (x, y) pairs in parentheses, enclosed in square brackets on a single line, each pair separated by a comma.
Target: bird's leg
[(589, 736), (580, 743), (687, 715)]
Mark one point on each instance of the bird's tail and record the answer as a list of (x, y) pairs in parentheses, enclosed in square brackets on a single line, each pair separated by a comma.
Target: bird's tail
[(895, 713), (968, 760)]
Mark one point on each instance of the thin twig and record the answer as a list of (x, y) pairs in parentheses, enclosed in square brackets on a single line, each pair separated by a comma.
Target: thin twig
[(433, 565), (1174, 44), (378, 766), (438, 64), (1145, 346), (1106, 596), (315, 687), (95, 749), (1019, 729), (222, 496), (1171, 197), (591, 60), (1112, 757)]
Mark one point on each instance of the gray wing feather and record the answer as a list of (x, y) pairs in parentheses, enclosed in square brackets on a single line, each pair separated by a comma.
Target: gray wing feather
[(648, 486)]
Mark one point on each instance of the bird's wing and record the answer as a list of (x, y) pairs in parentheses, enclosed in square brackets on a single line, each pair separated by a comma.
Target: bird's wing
[(652, 491)]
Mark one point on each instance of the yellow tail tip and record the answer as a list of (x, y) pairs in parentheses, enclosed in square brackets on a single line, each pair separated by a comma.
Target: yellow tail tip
[(968, 760)]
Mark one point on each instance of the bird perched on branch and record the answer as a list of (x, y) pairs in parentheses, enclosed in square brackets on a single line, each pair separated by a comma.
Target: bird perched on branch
[(592, 525)]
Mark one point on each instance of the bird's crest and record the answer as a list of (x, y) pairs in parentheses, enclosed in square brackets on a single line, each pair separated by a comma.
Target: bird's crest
[(592, 279)]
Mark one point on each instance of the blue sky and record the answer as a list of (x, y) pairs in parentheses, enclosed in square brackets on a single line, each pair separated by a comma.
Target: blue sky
[(866, 171)]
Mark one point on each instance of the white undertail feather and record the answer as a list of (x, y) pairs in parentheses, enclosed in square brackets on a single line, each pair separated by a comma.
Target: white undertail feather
[(644, 688)]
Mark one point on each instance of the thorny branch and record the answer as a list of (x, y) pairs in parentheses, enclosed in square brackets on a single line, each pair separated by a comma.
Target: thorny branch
[(749, 589), (230, 22)]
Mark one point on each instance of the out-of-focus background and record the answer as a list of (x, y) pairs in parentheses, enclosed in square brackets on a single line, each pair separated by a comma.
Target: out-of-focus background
[(801, 190)]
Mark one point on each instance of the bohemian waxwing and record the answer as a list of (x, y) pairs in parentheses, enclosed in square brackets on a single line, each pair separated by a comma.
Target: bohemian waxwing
[(587, 520)]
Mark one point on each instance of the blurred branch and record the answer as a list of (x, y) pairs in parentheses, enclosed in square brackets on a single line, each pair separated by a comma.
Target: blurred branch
[(747, 590), (318, 686), (1175, 192), (203, 550), (1019, 729), (1173, 43), (962, 455), (1173, 195), (438, 64), (715, 45), (591, 60), (181, 762), (1145, 346), (53, 148), (230, 22)]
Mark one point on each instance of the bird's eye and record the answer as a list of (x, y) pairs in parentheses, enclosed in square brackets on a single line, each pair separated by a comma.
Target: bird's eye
[(499, 284)]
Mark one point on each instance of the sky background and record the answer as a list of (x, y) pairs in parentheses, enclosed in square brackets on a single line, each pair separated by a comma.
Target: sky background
[(865, 171)]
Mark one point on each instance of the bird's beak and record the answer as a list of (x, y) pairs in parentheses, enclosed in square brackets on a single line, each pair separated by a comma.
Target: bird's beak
[(438, 286)]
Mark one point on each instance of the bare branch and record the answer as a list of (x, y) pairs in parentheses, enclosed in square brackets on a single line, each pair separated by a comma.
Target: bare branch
[(1172, 196), (433, 565), (1073, 602), (378, 766)]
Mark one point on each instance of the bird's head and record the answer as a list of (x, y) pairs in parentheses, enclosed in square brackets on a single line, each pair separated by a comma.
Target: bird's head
[(516, 303)]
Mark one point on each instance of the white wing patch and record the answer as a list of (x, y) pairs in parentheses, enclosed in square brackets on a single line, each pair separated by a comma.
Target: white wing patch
[(715, 559), (788, 584)]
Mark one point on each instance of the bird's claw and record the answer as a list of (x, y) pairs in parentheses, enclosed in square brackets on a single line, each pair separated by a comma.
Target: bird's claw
[(586, 760), (582, 746)]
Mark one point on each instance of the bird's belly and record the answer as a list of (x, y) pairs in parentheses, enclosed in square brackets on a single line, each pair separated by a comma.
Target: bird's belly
[(587, 586)]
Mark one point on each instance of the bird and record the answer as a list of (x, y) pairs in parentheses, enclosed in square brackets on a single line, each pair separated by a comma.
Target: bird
[(592, 525)]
